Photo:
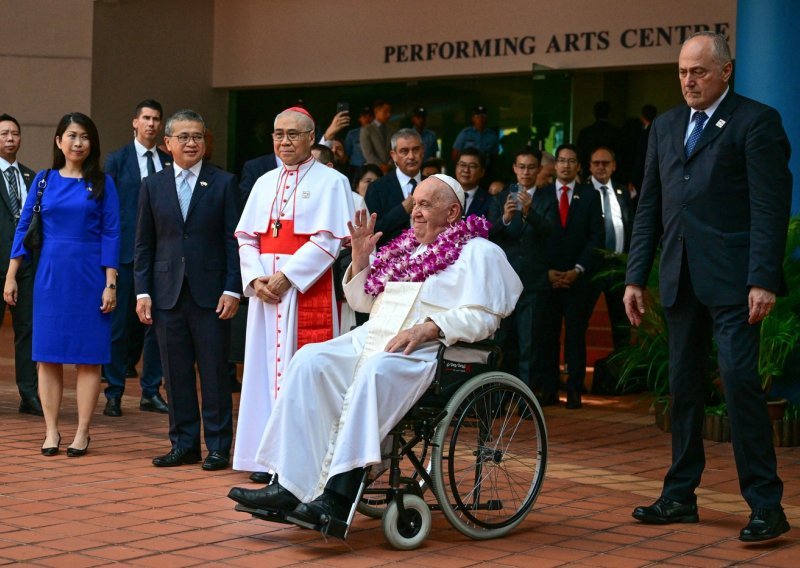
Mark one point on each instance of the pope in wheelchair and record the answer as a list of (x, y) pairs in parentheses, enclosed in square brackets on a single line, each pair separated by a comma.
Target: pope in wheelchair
[(440, 283)]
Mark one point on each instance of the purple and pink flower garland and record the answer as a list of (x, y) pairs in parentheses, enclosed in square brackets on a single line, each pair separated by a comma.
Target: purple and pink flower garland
[(394, 262)]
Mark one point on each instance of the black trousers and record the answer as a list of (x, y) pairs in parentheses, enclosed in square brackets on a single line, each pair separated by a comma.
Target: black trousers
[(572, 306), (691, 325), (189, 334), (22, 322)]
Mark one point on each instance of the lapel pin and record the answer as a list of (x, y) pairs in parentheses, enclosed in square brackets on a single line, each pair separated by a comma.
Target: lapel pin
[(89, 188), (576, 197), (720, 123), (204, 183), (619, 191), (306, 194), (167, 164)]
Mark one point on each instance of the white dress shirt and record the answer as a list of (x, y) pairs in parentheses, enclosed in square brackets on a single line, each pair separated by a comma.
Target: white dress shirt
[(23, 189), (142, 159)]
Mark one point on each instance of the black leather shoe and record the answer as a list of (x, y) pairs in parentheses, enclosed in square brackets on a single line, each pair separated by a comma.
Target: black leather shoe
[(154, 403), (262, 477), (78, 452), (764, 524), (216, 460), (31, 406), (547, 398), (176, 457), (665, 511), (573, 399), (52, 450), (322, 509), (272, 498), (113, 407)]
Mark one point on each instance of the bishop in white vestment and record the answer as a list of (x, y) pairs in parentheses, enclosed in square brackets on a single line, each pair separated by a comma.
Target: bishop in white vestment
[(289, 235)]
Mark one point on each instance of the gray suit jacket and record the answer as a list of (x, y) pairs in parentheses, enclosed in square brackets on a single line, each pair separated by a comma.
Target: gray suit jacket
[(374, 147)]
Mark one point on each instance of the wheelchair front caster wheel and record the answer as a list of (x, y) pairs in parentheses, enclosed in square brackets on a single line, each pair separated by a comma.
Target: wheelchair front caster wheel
[(409, 529)]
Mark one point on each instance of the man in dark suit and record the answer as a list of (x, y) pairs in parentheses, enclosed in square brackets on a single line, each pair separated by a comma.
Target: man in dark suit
[(618, 223), (716, 195), (600, 133), (470, 169), (15, 185), (188, 284), (571, 257), (254, 169), (390, 196), (128, 166), (521, 222)]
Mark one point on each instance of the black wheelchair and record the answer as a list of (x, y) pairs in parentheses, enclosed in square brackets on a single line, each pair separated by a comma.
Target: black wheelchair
[(477, 439)]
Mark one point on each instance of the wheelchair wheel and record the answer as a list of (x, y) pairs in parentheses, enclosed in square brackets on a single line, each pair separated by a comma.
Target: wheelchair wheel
[(408, 530), (376, 496), (489, 455)]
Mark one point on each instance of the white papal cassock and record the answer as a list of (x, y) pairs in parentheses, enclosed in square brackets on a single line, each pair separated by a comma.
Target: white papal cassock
[(359, 391), (313, 204)]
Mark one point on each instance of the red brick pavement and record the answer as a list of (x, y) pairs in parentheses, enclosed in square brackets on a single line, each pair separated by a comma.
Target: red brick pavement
[(113, 506)]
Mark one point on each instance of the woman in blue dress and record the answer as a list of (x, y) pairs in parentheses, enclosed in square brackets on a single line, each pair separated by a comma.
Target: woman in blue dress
[(74, 290)]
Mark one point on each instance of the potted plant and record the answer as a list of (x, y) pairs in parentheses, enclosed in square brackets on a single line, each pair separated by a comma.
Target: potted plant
[(647, 357)]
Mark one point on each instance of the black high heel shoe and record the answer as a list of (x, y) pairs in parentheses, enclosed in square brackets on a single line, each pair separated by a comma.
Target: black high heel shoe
[(53, 450), (76, 453)]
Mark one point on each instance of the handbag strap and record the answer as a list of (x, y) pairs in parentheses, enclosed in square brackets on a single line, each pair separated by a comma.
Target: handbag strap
[(37, 207)]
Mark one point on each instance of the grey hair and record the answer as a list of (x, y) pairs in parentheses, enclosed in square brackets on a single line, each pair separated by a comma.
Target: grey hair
[(720, 51), (547, 158), (185, 114), (305, 122), (405, 133)]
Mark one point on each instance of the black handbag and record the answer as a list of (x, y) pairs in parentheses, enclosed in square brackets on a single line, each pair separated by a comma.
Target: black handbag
[(33, 236)]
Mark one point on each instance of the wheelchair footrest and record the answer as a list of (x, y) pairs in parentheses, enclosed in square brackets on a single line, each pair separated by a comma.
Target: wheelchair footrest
[(264, 514), (333, 527)]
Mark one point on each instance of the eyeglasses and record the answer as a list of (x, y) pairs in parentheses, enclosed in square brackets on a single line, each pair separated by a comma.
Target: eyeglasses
[(528, 168), (292, 135), (570, 161), (184, 138), (603, 163), (468, 165)]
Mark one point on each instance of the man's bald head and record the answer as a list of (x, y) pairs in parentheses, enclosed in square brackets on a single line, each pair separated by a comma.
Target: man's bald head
[(303, 120)]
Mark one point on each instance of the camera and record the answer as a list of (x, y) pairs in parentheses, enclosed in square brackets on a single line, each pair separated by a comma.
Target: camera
[(342, 107)]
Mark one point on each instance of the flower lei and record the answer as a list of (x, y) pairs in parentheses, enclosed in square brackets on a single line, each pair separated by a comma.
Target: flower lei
[(394, 262)]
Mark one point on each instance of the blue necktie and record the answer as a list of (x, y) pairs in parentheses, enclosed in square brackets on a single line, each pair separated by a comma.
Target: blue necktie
[(151, 165), (184, 193), (698, 119)]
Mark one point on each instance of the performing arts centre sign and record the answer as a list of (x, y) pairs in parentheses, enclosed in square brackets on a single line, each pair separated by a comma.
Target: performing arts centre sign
[(308, 42)]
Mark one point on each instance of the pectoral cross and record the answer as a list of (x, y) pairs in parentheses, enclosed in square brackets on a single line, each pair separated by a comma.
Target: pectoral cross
[(276, 225)]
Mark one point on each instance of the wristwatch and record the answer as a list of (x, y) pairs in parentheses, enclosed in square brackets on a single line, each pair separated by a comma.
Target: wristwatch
[(111, 286)]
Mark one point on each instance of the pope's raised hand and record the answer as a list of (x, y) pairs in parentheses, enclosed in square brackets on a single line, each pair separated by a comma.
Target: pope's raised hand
[(363, 238)]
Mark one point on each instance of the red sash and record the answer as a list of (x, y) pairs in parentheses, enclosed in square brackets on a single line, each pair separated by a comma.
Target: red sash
[(314, 307)]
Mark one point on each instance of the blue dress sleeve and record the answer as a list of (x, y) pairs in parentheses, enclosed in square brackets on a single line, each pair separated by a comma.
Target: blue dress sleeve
[(109, 226), (18, 249)]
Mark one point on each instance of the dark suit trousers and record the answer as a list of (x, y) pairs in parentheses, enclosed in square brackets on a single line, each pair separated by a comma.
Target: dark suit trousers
[(121, 320), (574, 308), (690, 328), (22, 322), (613, 287), (187, 334)]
